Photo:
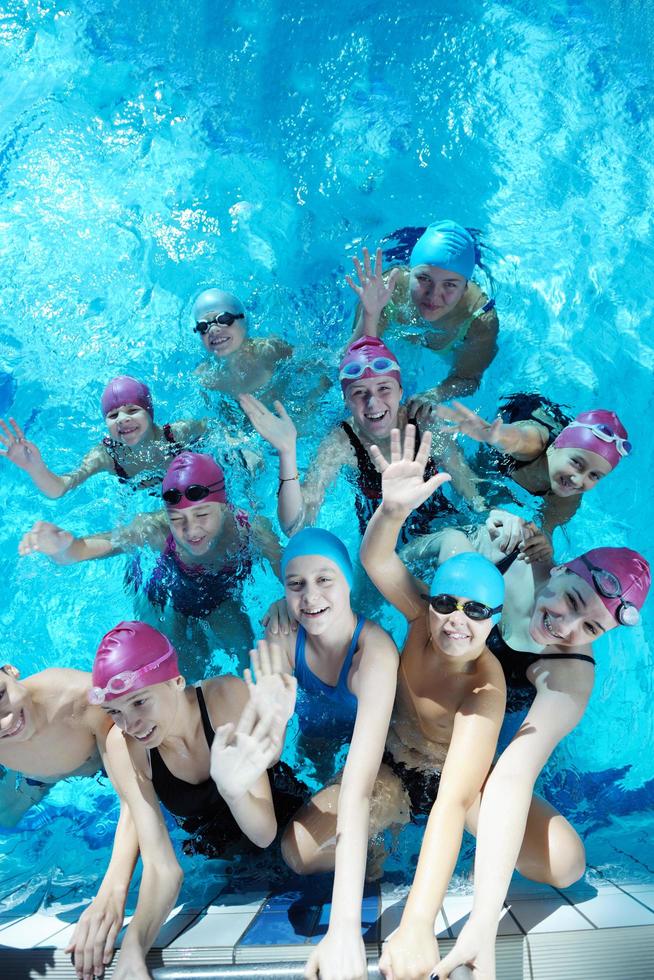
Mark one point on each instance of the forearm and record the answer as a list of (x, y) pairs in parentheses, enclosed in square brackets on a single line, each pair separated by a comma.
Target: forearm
[(454, 386), (85, 549), (255, 817), (379, 542), (159, 888), (352, 828), (438, 855), (365, 324), (48, 483), (123, 858), (290, 501)]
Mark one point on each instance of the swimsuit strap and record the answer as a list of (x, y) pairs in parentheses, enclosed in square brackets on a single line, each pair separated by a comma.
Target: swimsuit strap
[(505, 563), (204, 714), (168, 433), (354, 643), (462, 333), (567, 656), (301, 668), (369, 478), (120, 472), (489, 305)]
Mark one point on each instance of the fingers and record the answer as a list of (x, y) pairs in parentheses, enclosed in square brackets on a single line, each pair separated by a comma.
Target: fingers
[(434, 482), (281, 411), (423, 450), (366, 263), (311, 969), (378, 459), (351, 283), (396, 444), (223, 733)]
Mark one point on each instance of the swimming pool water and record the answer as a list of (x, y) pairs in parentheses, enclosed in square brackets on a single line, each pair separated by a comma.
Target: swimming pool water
[(148, 151)]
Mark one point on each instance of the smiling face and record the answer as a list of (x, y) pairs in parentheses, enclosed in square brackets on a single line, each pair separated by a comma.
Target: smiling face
[(458, 636), (196, 528), (435, 291), (374, 403), (147, 715), (221, 339), (16, 709), (317, 593), (129, 424), (574, 471), (568, 612)]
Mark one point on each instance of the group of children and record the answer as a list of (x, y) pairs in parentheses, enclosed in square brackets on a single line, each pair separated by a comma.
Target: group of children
[(497, 626)]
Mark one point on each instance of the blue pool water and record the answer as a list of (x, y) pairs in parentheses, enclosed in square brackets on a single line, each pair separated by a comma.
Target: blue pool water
[(147, 150)]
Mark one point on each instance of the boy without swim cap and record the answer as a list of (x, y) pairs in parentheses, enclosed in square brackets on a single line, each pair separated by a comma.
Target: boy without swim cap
[(446, 245), (471, 576), (599, 432), (193, 470), (619, 576), (132, 655), (315, 541), (216, 301), (124, 390), (368, 357)]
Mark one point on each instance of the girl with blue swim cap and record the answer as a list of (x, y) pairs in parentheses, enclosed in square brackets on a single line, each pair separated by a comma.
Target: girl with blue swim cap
[(346, 668), (435, 293)]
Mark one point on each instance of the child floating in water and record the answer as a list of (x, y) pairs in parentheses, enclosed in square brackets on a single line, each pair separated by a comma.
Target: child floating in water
[(372, 388), (206, 547), (549, 459), (235, 363), (135, 442), (437, 294)]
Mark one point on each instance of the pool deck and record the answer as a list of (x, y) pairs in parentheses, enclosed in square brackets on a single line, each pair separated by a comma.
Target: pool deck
[(596, 930)]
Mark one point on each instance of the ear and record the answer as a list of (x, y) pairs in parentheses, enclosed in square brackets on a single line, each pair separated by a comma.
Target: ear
[(11, 671), (180, 682)]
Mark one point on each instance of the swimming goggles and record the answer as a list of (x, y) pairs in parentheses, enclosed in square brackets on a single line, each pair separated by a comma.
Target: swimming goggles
[(605, 434), (196, 491), (125, 681), (607, 584), (445, 604), (379, 365), (224, 319)]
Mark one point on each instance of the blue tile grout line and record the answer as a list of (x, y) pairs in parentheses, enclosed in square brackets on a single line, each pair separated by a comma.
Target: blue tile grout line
[(515, 919)]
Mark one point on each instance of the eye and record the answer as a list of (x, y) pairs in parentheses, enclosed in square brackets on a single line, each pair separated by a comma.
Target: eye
[(140, 702), (2, 693), (573, 601), (113, 416), (590, 629), (324, 580), (112, 712), (579, 463), (596, 476)]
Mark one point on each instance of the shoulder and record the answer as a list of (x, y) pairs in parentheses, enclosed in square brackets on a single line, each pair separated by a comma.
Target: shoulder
[(186, 429), (377, 644), (225, 697)]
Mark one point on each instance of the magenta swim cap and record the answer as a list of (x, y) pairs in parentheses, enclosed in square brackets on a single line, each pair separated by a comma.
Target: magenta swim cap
[(132, 655), (619, 576), (188, 476), (367, 357), (124, 390), (599, 432)]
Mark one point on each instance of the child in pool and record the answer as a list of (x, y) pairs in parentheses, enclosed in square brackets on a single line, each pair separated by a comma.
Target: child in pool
[(135, 442), (558, 463), (346, 670), (207, 548), (202, 751), (49, 732), (550, 619), (235, 363), (436, 292), (372, 388)]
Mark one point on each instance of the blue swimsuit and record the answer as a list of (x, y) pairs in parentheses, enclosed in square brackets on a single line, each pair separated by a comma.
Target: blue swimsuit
[(324, 711)]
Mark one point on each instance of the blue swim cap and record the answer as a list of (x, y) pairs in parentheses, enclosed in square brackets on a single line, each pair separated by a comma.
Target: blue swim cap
[(447, 245), (315, 541), (472, 576)]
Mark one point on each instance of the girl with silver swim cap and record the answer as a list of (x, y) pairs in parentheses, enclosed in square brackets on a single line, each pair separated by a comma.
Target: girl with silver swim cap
[(136, 443), (235, 362), (436, 294)]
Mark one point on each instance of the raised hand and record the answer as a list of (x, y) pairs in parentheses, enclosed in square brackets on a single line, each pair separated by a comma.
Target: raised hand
[(241, 754), (270, 684), (403, 484), (45, 538), (279, 430), (536, 545), (371, 289), (468, 423), (18, 450), (505, 530)]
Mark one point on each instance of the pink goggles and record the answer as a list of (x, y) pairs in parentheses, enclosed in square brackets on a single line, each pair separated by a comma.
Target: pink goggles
[(125, 681)]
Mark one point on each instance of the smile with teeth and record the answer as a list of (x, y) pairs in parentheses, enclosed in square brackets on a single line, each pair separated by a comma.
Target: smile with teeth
[(456, 635), (377, 417), (17, 727), (547, 625), (218, 341), (314, 612), (128, 432), (146, 735)]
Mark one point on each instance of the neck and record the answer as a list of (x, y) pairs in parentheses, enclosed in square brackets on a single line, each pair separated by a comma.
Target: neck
[(332, 643)]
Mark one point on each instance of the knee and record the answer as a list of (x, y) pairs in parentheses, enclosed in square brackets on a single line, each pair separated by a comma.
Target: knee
[(291, 852), (567, 862)]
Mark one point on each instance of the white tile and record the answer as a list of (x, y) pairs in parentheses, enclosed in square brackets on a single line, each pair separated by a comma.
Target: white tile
[(638, 887), (32, 931), (548, 915), (215, 929), (390, 920), (522, 889), (608, 911), (238, 902)]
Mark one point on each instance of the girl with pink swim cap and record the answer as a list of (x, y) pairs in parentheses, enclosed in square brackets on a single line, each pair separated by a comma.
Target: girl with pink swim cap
[(209, 753), (371, 383), (206, 550), (556, 462), (135, 442), (552, 615)]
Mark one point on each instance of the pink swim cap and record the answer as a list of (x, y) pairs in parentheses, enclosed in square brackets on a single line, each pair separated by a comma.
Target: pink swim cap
[(187, 476), (599, 432), (124, 390), (132, 655), (619, 576), (367, 357)]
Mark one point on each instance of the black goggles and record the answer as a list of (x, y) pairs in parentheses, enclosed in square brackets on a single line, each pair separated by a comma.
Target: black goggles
[(194, 493), (224, 319), (608, 584), (445, 604)]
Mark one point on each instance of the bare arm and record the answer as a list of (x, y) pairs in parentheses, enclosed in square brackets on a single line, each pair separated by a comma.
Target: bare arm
[(65, 549), (267, 543), (471, 359), (558, 511), (26, 455), (523, 440), (375, 291)]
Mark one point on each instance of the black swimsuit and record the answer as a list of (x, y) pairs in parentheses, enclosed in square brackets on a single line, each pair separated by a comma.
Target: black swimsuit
[(123, 476), (203, 813), (369, 490)]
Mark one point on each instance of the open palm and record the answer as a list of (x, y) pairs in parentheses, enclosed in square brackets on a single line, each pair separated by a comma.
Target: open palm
[(403, 478), (241, 754), (469, 423)]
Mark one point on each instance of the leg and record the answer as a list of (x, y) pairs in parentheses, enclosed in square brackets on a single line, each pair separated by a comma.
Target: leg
[(437, 547), (309, 841), (552, 851)]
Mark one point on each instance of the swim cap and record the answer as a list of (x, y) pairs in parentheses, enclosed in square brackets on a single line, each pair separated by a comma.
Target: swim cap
[(471, 576), (132, 655), (447, 245), (367, 357), (599, 432), (215, 301), (124, 390), (193, 470), (620, 577), (315, 541)]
